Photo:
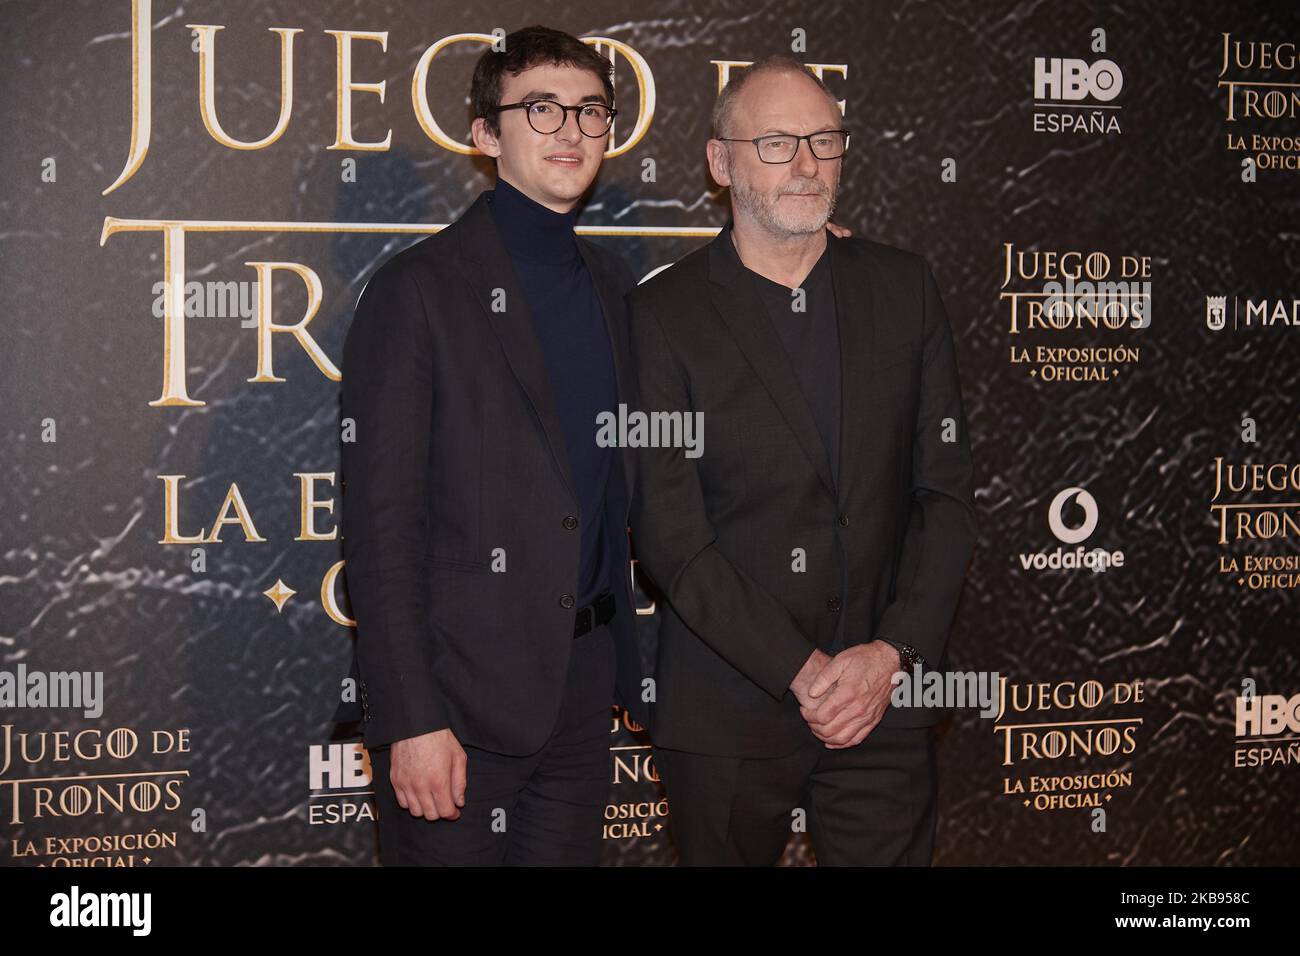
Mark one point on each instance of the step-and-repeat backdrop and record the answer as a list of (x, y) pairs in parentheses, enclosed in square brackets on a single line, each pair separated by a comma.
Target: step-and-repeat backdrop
[(1109, 195)]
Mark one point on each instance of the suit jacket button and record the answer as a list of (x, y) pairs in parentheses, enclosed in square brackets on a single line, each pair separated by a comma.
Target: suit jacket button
[(844, 521), (566, 601), (833, 605), (570, 522)]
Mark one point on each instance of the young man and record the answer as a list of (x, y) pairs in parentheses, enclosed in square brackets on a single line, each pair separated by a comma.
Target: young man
[(820, 543), (484, 528)]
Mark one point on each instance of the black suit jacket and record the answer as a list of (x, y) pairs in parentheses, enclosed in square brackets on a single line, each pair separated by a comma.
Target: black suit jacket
[(459, 451), (886, 550)]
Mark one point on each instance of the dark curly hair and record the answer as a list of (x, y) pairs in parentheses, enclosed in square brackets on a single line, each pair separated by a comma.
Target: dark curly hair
[(525, 49)]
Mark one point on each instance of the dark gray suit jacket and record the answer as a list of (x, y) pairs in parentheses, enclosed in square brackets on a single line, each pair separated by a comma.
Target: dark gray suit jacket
[(459, 451), (886, 550)]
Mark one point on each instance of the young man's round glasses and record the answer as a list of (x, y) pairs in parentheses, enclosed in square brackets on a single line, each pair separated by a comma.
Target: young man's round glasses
[(782, 147), (547, 116)]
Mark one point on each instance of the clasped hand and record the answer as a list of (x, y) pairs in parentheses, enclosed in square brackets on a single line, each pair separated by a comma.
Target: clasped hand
[(842, 698)]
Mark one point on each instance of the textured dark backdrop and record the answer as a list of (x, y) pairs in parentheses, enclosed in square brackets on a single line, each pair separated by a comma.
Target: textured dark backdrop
[(84, 584)]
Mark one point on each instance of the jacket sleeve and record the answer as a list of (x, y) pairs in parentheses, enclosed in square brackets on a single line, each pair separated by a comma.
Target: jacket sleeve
[(388, 398), (677, 546), (941, 528)]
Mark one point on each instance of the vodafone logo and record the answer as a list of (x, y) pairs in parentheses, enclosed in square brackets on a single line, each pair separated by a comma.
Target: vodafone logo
[(1072, 558), (1057, 523)]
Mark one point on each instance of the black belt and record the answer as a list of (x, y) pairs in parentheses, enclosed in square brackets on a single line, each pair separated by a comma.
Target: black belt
[(598, 612)]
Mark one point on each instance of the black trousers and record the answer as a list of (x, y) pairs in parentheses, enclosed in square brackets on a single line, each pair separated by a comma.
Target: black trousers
[(869, 805), (545, 809)]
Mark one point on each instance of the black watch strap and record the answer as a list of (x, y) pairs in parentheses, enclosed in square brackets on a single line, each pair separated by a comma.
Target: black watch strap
[(908, 656)]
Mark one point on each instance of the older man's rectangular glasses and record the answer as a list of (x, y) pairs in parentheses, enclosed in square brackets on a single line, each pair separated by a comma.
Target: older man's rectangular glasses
[(782, 147), (547, 116)]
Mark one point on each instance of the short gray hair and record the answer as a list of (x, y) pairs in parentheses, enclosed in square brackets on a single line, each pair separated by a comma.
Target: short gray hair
[(772, 63)]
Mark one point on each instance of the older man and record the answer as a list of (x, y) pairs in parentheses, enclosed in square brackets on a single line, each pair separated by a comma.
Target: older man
[(819, 544)]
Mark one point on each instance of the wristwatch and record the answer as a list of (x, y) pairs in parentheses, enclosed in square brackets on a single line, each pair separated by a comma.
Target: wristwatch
[(908, 657)]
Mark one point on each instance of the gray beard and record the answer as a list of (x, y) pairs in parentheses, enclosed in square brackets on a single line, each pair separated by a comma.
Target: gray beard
[(767, 212)]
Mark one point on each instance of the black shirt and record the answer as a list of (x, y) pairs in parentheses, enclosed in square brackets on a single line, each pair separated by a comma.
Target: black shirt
[(570, 326), (812, 340)]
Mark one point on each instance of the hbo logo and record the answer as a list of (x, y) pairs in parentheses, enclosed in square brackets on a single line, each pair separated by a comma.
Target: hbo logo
[(1268, 714), (1057, 79)]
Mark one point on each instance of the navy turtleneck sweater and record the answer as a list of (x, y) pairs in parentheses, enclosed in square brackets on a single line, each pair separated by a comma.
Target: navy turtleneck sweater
[(570, 327)]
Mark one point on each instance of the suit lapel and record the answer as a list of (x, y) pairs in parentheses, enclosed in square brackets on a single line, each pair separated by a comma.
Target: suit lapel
[(857, 286), (488, 267), (731, 289)]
